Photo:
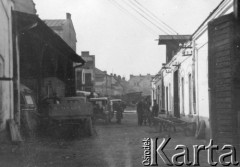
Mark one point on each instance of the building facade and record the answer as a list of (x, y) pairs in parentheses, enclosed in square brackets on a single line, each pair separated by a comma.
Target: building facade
[(9, 66), (85, 75), (65, 29), (194, 86), (6, 64), (109, 85), (140, 83)]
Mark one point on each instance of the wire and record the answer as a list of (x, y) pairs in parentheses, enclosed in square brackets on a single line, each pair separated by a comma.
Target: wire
[(154, 16), (116, 4), (145, 17)]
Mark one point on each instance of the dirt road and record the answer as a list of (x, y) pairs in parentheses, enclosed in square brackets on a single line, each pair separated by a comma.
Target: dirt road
[(113, 145)]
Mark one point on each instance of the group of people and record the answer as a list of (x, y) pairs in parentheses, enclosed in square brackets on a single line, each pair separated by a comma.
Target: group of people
[(145, 113)]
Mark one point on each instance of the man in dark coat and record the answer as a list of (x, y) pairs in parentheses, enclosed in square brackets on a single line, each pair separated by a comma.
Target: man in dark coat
[(147, 113), (155, 109), (140, 112)]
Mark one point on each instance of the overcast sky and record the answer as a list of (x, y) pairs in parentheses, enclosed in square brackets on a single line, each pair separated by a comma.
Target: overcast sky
[(118, 33)]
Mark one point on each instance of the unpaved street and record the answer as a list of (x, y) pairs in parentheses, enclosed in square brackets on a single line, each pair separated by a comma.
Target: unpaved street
[(113, 145)]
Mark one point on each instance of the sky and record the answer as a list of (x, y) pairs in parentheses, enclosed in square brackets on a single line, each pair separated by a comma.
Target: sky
[(122, 34)]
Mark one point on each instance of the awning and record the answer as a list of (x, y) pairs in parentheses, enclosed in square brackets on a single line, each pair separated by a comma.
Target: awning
[(29, 22), (163, 39)]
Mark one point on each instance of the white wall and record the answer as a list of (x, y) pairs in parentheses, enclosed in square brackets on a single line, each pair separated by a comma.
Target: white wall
[(201, 53), (200, 40), (185, 69), (6, 87)]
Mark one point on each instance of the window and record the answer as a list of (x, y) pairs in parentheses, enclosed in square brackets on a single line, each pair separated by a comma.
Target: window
[(88, 78)]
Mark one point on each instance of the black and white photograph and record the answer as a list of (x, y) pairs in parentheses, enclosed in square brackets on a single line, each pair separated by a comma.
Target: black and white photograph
[(119, 83)]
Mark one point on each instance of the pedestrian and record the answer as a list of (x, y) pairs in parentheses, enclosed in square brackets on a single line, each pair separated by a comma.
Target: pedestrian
[(147, 113), (155, 109), (140, 112), (118, 108)]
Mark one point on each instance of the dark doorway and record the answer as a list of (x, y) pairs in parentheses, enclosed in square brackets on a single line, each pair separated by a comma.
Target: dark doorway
[(176, 95)]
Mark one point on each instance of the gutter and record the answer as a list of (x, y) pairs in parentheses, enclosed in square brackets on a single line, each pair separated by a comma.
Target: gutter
[(208, 17)]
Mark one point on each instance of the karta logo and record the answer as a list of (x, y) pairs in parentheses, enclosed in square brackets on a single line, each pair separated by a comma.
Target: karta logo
[(152, 151)]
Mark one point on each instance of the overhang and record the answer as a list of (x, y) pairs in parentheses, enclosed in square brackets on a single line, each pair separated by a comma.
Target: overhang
[(164, 39), (24, 22)]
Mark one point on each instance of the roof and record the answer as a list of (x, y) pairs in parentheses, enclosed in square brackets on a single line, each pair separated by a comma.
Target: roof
[(40, 30), (177, 38), (98, 71), (55, 23)]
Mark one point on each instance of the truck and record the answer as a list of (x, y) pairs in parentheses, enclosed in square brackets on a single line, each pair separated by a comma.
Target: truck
[(102, 109), (68, 111)]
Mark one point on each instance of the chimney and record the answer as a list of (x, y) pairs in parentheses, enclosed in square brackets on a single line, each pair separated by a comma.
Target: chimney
[(68, 16), (85, 53)]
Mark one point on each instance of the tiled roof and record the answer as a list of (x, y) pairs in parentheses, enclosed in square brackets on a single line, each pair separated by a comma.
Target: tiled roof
[(55, 23), (98, 71)]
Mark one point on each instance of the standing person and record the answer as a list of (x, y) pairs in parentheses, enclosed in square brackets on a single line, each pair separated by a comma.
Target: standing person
[(155, 109), (147, 112), (118, 108), (140, 112), (123, 106)]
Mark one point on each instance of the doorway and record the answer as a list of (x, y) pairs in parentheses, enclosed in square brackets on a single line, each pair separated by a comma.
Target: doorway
[(176, 95)]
